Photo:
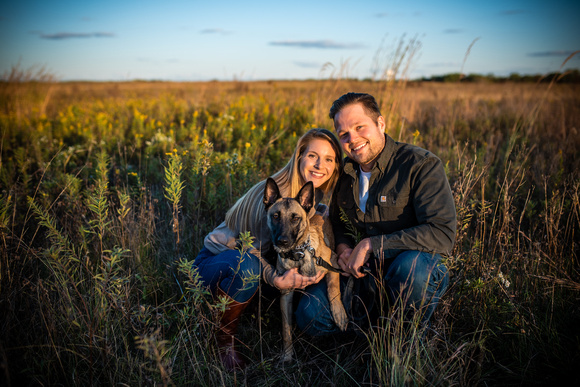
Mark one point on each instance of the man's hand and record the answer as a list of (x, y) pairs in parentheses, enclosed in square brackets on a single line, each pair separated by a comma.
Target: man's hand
[(291, 279), (351, 260), (343, 251)]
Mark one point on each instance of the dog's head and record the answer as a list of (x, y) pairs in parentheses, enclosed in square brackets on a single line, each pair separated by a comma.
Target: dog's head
[(287, 217)]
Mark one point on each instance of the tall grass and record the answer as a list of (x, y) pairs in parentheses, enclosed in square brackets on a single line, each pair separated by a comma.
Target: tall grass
[(107, 190)]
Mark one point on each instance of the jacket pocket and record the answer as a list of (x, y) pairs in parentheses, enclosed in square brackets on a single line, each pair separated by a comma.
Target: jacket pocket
[(394, 207), (394, 198)]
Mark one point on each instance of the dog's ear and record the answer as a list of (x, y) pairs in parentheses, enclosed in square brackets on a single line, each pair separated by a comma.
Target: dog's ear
[(306, 196), (271, 193)]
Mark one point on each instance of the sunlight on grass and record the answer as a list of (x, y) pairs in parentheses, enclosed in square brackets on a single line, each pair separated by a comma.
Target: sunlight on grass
[(107, 190)]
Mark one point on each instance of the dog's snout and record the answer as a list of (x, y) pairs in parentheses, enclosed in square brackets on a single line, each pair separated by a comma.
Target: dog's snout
[(283, 242)]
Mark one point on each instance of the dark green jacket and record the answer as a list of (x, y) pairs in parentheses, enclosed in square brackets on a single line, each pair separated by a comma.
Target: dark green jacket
[(410, 204)]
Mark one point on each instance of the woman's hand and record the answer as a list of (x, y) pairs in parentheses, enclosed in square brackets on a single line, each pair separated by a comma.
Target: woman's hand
[(291, 279)]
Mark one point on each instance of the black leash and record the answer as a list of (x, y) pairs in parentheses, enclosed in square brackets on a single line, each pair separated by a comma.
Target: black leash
[(321, 262), (298, 253)]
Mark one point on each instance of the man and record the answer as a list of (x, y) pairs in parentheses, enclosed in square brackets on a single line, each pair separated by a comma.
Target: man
[(397, 199)]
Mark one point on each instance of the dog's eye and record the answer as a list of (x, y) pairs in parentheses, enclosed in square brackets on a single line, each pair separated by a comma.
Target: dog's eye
[(276, 215), (295, 218)]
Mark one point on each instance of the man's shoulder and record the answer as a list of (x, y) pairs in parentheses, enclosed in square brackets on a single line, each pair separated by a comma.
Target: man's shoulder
[(405, 153), (350, 167)]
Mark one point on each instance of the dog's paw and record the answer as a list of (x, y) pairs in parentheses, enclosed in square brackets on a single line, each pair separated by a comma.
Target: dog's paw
[(287, 356), (339, 315)]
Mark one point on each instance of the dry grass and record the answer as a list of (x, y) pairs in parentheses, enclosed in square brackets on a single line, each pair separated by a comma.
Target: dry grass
[(96, 241)]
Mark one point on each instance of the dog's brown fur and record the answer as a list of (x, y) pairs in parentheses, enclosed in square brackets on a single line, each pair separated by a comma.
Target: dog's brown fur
[(292, 225)]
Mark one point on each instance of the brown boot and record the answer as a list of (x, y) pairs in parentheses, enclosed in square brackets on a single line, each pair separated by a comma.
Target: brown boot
[(230, 358)]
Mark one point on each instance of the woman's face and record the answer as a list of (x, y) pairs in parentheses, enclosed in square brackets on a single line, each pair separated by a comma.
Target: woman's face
[(318, 162)]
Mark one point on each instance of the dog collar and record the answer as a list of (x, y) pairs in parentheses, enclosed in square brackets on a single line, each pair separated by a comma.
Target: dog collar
[(297, 253), (291, 255)]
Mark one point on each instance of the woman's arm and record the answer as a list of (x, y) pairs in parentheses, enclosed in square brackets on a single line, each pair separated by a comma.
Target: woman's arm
[(291, 279)]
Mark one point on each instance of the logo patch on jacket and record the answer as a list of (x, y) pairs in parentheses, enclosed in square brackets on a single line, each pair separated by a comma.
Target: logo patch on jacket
[(383, 199)]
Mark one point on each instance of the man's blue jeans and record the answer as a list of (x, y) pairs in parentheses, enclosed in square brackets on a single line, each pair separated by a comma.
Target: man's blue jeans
[(416, 278), (230, 272)]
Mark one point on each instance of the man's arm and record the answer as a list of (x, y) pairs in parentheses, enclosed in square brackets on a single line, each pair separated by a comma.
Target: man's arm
[(435, 211)]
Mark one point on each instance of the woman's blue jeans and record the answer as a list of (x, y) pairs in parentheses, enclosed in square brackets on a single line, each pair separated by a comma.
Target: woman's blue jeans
[(233, 273), (415, 278)]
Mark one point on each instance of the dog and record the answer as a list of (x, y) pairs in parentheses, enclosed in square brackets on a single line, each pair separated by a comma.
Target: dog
[(299, 239)]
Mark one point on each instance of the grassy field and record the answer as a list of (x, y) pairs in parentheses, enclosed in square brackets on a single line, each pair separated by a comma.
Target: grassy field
[(107, 190)]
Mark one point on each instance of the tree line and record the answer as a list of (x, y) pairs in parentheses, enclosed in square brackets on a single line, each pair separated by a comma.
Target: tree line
[(569, 76)]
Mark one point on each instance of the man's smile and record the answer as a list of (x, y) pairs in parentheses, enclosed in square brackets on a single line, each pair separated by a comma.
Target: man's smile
[(359, 147)]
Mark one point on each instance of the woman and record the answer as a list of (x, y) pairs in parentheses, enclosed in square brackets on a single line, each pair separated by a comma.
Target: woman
[(317, 158)]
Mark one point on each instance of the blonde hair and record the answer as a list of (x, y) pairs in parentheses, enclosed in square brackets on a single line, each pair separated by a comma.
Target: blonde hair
[(247, 213)]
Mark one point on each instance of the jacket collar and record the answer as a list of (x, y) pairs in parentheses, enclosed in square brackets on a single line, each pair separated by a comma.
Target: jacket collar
[(352, 168)]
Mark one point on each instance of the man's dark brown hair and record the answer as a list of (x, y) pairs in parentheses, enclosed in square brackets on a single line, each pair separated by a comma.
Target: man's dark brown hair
[(370, 105)]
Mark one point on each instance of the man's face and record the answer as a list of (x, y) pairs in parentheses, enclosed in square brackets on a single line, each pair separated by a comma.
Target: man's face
[(362, 139)]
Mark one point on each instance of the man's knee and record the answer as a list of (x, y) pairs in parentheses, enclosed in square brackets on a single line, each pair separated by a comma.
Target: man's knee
[(404, 268), (415, 272)]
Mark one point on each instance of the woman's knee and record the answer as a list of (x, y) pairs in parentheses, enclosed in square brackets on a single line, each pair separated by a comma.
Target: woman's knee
[(312, 314), (245, 273), (233, 264), (236, 274), (307, 310), (250, 265)]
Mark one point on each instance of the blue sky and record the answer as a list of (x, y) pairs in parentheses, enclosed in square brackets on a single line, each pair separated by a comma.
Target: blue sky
[(253, 40)]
